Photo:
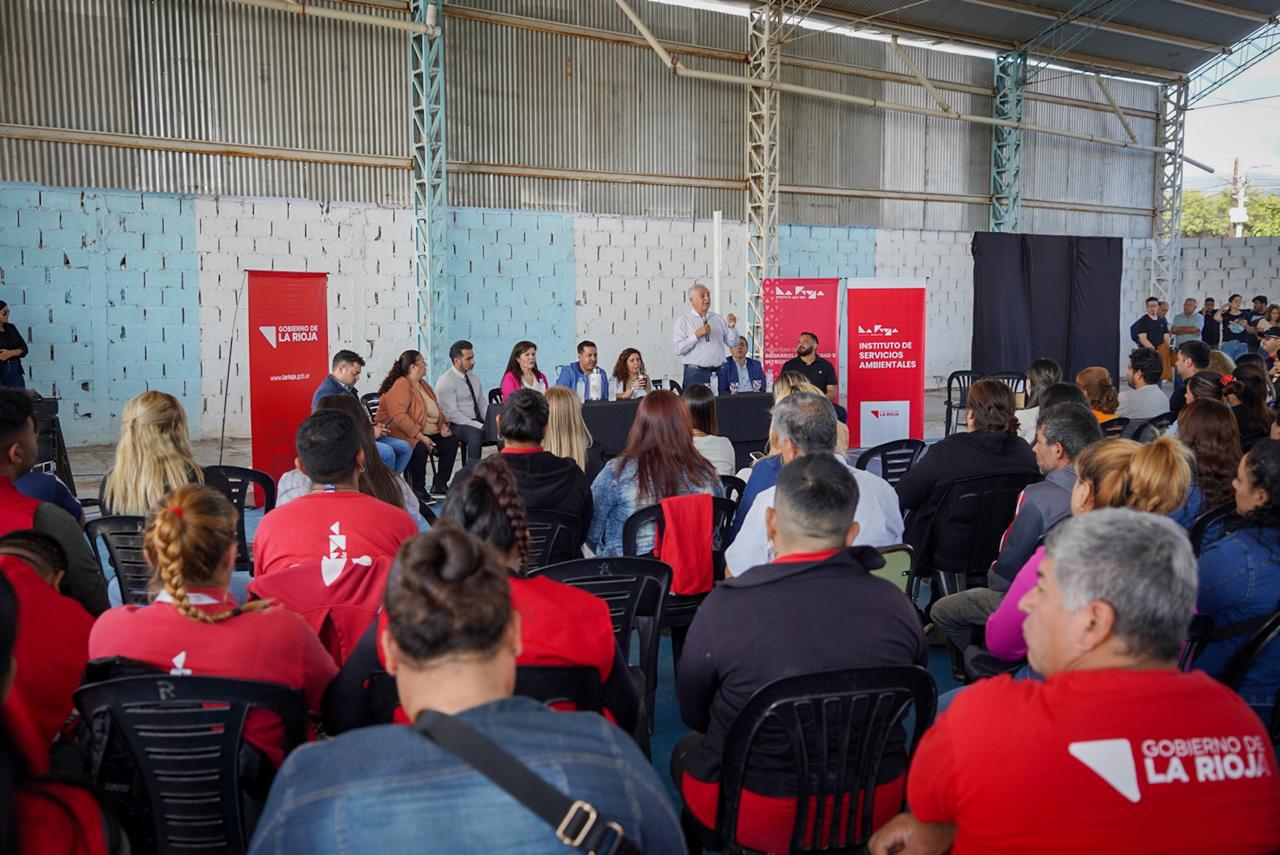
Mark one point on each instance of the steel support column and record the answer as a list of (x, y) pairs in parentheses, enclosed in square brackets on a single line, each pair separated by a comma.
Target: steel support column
[(430, 195), (1166, 255), (763, 61), (1006, 142)]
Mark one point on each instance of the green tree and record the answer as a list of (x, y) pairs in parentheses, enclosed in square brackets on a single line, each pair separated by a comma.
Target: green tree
[(1264, 215), (1207, 214)]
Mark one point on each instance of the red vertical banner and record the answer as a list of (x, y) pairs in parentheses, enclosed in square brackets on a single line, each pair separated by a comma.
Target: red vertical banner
[(886, 331), (793, 306), (288, 357)]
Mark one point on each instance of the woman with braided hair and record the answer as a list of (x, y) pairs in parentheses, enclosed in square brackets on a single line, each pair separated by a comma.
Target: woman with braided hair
[(193, 625), (1240, 575)]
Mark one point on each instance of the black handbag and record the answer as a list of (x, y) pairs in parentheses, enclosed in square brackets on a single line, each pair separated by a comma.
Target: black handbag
[(577, 823)]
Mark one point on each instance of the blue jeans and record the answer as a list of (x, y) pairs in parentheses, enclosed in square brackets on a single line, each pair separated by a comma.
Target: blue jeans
[(11, 375), (395, 453), (694, 375), (1234, 349)]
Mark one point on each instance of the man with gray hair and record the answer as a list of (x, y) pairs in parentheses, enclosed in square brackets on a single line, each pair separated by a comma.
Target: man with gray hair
[(700, 338), (805, 424), (1116, 751), (1062, 432), (817, 607)]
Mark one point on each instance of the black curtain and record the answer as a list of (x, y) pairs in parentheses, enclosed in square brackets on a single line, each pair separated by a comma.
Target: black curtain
[(1037, 296)]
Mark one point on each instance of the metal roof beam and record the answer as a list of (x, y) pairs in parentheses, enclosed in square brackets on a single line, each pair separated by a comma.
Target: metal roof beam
[(1097, 24), (1224, 9)]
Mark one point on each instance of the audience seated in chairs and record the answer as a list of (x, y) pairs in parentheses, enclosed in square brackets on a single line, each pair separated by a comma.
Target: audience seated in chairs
[(1052, 396), (567, 435), (83, 581), (152, 457), (335, 522), (659, 461), (452, 640), (764, 472), (1240, 575), (375, 478), (1100, 392), (1041, 375), (1202, 384), (1145, 399), (1108, 732), (805, 424), (561, 625), (816, 607), (195, 627), (990, 447), (409, 410), (1210, 431), (701, 402), (1247, 395), (39, 814), (1062, 432), (546, 482), (1192, 358), (1114, 473)]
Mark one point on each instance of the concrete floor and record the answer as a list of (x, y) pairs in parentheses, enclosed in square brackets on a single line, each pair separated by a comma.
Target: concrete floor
[(91, 462)]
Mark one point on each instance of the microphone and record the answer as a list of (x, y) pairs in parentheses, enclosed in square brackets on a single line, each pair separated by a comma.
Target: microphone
[(707, 336)]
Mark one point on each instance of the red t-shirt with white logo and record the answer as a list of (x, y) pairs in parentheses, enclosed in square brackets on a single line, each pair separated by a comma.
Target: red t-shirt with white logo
[(273, 646), (334, 530), (1100, 761)]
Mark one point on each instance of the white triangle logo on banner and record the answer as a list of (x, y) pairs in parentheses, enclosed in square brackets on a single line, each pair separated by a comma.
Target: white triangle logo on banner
[(269, 333), (1112, 761)]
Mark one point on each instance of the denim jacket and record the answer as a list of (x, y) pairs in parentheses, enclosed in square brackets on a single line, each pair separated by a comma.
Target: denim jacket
[(614, 499), (1240, 579), (388, 789)]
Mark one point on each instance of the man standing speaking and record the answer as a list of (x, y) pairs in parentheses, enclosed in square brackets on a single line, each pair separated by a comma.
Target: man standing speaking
[(701, 336)]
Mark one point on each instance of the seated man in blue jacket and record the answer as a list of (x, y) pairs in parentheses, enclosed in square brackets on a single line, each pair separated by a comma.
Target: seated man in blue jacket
[(584, 376), (742, 370)]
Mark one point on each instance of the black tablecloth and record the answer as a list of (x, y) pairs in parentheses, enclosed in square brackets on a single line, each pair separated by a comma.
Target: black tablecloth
[(742, 418)]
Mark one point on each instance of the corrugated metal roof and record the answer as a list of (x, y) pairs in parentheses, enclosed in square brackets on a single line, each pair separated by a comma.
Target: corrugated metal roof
[(1011, 23)]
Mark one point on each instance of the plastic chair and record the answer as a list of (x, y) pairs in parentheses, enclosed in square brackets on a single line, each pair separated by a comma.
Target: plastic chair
[(675, 387), (734, 487), (1015, 380), (964, 537), (234, 483), (577, 686), (838, 724), (1149, 430), (896, 458), (635, 590), (1199, 634), (1208, 519), (370, 401), (495, 397), (958, 384), (899, 565), (1114, 427), (1238, 667), (553, 536), (184, 738), (123, 537)]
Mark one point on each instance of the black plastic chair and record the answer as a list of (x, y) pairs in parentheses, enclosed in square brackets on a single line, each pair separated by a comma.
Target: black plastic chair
[(370, 401), (553, 536), (234, 483), (678, 609), (958, 384), (1233, 675), (578, 686), (964, 537), (1114, 427), (635, 590), (1149, 430), (184, 738), (839, 724), (896, 458), (1208, 519), (123, 537), (1015, 380), (1199, 634), (734, 487), (676, 387), (495, 397)]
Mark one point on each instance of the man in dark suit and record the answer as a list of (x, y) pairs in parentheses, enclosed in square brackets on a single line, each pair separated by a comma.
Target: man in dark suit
[(742, 370)]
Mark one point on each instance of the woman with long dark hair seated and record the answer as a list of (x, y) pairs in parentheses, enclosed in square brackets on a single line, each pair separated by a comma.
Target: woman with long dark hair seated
[(660, 461), (452, 638), (991, 446), (1247, 390), (1211, 432), (408, 407), (1240, 574)]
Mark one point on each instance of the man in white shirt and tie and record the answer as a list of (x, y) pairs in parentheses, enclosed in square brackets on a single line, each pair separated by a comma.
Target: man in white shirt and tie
[(700, 338)]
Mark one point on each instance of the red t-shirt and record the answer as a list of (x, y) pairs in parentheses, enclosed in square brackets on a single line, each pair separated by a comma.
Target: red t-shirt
[(58, 819), (1100, 761), (333, 530), (273, 646), (51, 651)]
